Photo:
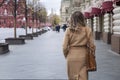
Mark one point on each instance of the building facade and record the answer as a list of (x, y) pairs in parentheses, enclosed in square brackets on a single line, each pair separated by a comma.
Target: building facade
[(103, 16), (7, 17), (68, 7), (64, 11)]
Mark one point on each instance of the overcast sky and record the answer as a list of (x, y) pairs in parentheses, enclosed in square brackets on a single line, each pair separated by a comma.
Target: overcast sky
[(49, 4)]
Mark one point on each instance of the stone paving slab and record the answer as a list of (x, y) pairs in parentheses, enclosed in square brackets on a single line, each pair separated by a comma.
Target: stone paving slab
[(42, 58), (108, 63)]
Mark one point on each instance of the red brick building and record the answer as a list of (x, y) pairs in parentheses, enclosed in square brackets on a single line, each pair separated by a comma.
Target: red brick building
[(7, 18)]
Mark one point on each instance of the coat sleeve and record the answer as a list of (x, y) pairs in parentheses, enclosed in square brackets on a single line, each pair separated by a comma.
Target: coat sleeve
[(66, 43), (91, 44)]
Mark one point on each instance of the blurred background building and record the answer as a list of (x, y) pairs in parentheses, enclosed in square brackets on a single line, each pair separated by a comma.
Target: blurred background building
[(64, 11)]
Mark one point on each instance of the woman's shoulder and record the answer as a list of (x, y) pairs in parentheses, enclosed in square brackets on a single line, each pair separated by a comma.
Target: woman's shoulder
[(68, 29)]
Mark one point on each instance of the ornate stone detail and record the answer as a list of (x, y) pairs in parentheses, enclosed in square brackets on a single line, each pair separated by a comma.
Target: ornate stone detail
[(89, 22), (106, 23), (116, 22), (116, 16), (95, 24), (116, 10)]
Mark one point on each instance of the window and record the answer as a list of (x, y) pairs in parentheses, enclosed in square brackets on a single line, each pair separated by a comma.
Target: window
[(66, 18), (66, 10)]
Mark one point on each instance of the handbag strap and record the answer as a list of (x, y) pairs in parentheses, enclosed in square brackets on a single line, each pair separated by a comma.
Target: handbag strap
[(86, 34), (88, 42)]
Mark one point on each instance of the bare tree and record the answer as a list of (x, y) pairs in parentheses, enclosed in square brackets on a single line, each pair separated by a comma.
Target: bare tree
[(16, 7), (38, 12)]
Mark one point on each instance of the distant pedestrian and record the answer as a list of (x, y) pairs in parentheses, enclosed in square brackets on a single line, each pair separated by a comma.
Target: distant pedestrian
[(64, 27), (75, 47), (58, 28)]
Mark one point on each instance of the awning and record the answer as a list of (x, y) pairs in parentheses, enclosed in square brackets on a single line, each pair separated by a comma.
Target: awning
[(87, 15), (107, 6), (96, 11), (116, 1)]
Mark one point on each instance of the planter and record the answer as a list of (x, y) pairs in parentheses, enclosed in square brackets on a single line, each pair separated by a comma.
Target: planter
[(43, 31), (30, 34), (39, 33), (107, 37), (26, 37), (4, 48), (35, 35), (15, 41), (115, 43)]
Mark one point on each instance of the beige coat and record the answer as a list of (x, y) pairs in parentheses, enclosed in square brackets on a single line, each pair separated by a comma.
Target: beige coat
[(74, 49)]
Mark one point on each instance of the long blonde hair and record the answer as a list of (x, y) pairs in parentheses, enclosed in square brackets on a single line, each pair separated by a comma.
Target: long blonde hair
[(77, 20)]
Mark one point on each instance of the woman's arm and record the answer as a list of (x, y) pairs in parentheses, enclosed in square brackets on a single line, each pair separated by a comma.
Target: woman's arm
[(66, 43), (91, 44)]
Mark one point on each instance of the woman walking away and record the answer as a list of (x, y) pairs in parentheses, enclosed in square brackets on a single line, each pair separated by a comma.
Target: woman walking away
[(75, 47)]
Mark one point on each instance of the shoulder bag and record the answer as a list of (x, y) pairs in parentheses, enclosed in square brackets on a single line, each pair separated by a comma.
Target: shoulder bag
[(91, 61)]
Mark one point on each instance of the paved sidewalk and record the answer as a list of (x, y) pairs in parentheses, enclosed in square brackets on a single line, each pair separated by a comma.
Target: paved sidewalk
[(42, 58), (108, 63)]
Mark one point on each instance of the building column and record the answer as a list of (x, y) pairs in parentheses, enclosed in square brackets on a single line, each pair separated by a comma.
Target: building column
[(115, 41), (107, 28), (90, 23), (96, 28)]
